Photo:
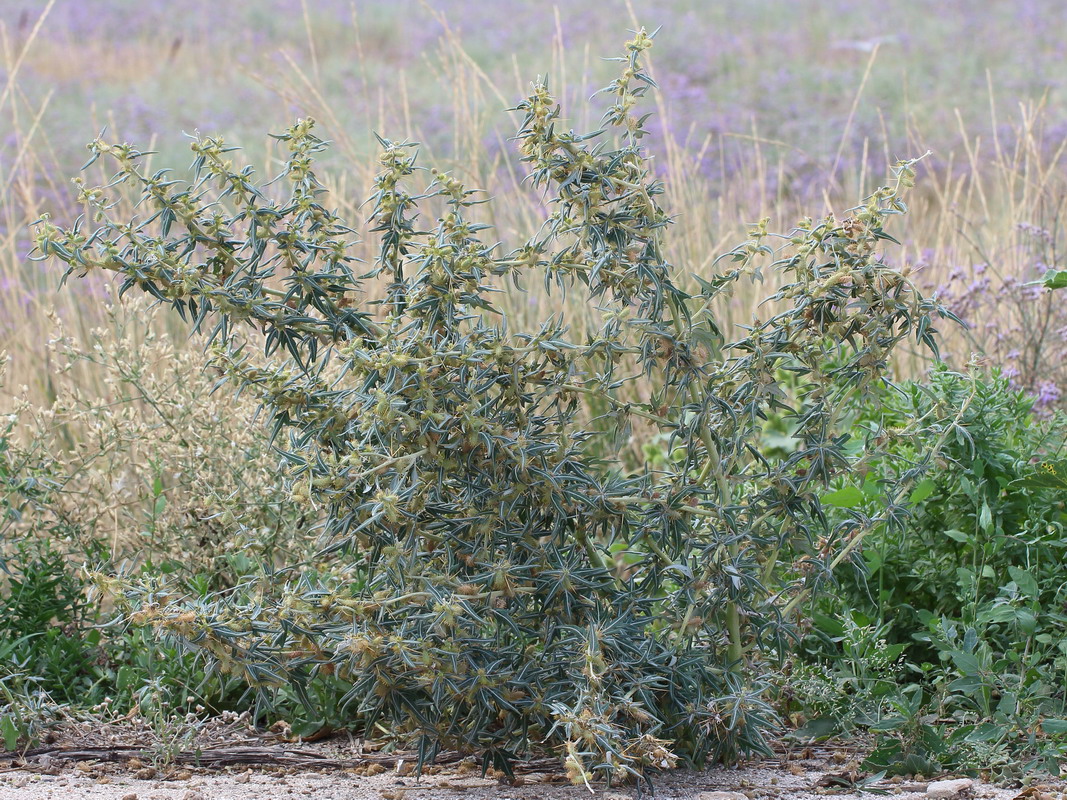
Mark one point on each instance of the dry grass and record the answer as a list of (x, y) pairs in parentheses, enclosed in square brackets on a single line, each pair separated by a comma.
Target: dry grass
[(966, 210)]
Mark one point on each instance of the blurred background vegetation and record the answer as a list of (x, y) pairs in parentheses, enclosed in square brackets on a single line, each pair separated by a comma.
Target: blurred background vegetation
[(767, 109)]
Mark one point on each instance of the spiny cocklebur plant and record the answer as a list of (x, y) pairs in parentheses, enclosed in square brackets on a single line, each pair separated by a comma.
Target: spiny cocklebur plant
[(487, 583)]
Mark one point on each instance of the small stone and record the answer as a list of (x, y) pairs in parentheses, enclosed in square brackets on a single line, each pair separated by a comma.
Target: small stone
[(949, 790), (244, 777), (130, 796), (722, 796), (181, 775)]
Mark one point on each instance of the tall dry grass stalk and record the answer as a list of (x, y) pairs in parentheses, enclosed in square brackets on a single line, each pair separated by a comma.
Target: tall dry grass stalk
[(967, 208)]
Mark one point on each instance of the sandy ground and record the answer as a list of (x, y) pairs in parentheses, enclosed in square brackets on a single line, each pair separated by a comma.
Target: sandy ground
[(803, 774), (89, 780), (752, 782)]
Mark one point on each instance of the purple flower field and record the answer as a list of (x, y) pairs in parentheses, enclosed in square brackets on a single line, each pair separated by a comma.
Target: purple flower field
[(781, 72), (765, 107)]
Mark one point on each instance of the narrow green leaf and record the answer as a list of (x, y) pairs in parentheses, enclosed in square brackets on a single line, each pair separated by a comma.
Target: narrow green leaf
[(985, 519)]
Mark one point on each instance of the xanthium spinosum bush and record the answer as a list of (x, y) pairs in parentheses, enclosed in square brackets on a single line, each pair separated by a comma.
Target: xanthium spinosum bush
[(496, 581)]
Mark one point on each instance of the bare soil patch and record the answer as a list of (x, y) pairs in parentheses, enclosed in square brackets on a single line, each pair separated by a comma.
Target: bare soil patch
[(227, 760)]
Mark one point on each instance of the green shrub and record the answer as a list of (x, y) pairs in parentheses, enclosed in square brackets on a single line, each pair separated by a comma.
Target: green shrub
[(977, 525), (44, 638), (967, 589), (491, 577), (44, 617)]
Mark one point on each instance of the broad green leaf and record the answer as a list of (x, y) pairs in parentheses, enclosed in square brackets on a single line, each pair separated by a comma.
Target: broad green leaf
[(1027, 622), (1056, 279), (889, 723), (922, 491), (967, 663), (828, 625), (893, 651), (819, 728), (848, 497), (1000, 613), (306, 727), (987, 732), (126, 677), (10, 732), (874, 560), (1024, 580), (968, 684)]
